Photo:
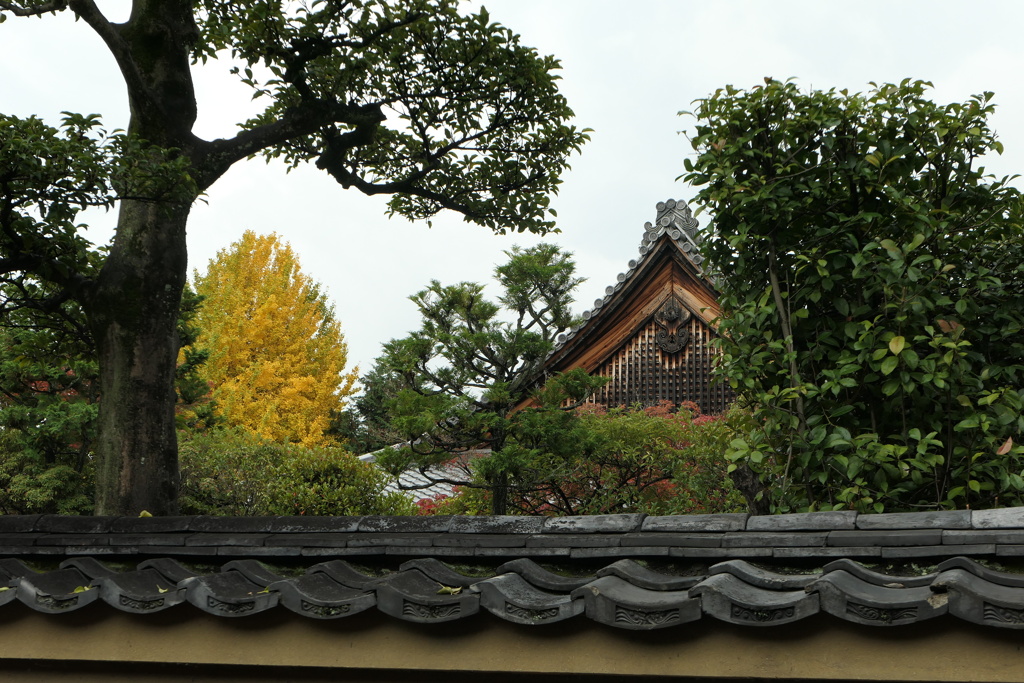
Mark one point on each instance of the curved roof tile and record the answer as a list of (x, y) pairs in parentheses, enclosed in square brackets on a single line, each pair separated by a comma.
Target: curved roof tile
[(626, 571)]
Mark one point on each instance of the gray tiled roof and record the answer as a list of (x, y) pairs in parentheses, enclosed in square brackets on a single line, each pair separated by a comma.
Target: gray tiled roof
[(429, 483), (626, 571)]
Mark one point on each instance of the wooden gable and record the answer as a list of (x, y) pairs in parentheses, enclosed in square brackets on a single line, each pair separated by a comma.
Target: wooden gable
[(650, 334)]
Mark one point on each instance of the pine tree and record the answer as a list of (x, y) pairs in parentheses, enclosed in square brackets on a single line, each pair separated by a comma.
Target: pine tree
[(276, 353)]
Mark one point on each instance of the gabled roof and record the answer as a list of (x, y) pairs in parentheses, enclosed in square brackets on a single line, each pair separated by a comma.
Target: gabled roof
[(668, 265), (625, 571)]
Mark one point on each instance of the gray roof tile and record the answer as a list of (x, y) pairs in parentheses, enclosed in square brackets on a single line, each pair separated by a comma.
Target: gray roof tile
[(998, 519), (593, 524), (940, 519), (887, 537), (615, 602), (677, 586), (731, 599), (803, 521), (701, 523), (846, 596), (510, 597), (641, 576), (762, 578)]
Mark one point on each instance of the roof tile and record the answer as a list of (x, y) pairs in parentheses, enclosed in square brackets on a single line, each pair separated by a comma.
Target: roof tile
[(804, 521), (625, 594), (940, 519), (594, 524), (702, 523)]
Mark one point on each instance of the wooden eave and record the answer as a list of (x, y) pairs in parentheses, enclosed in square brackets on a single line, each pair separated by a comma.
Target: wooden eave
[(665, 271)]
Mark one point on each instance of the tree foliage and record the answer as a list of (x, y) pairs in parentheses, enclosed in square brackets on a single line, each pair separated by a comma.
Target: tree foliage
[(48, 380), (469, 366), (233, 472), (276, 354), (871, 283), (415, 100), (365, 425), (49, 400), (658, 460)]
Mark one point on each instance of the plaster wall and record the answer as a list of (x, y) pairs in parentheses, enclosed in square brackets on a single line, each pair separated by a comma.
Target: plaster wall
[(374, 647)]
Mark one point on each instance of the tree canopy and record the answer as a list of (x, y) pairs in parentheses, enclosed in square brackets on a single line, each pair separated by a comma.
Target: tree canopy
[(277, 356), (416, 100), (871, 277)]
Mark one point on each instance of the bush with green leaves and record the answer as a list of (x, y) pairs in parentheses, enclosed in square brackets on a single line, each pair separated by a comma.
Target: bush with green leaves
[(48, 406), (657, 460), (232, 472), (872, 285), (331, 481)]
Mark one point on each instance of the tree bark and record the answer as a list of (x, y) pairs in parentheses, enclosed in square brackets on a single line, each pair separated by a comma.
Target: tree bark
[(132, 306), (133, 312)]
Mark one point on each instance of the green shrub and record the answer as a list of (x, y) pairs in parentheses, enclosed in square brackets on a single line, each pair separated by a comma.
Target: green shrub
[(331, 481), (231, 472)]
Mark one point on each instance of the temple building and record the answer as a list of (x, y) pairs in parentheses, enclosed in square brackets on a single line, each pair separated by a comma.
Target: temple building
[(651, 333)]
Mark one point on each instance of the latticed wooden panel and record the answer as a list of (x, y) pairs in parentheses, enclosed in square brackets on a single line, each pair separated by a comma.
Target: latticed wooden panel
[(641, 372)]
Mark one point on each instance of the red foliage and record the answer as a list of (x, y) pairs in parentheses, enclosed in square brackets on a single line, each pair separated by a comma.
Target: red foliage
[(429, 506)]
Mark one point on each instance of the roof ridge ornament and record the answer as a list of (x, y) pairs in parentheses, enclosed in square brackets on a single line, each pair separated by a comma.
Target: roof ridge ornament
[(676, 220), (675, 214)]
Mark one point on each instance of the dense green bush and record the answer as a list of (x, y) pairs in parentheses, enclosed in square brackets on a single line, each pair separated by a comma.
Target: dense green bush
[(231, 472), (331, 481), (48, 407), (872, 283)]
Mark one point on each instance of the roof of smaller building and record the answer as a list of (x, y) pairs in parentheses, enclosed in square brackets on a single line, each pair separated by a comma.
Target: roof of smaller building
[(674, 225), (627, 571)]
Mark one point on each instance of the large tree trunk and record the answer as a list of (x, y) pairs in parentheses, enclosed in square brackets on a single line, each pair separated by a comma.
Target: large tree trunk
[(133, 313), (133, 305)]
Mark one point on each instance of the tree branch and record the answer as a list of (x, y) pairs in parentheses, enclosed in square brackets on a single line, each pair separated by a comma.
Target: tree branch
[(20, 10)]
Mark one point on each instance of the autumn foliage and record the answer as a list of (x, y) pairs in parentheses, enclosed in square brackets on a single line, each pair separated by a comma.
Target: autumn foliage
[(276, 353)]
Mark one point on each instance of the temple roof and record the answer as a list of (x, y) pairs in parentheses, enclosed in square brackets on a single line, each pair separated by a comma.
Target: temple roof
[(626, 571), (674, 226), (668, 266)]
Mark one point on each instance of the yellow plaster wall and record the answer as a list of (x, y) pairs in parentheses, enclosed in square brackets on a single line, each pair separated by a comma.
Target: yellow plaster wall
[(819, 648)]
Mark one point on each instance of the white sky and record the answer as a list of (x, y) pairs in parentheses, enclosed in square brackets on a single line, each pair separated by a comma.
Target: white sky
[(628, 68)]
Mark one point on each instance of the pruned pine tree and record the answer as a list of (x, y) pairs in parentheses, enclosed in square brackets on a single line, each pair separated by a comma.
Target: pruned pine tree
[(472, 363)]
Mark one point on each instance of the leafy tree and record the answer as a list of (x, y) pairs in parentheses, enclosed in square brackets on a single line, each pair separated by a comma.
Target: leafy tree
[(229, 471), (658, 460), (48, 380), (415, 100), (195, 409), (276, 354), (465, 371), (872, 286)]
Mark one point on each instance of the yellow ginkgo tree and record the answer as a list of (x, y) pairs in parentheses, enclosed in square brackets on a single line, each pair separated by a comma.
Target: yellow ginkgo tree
[(277, 354)]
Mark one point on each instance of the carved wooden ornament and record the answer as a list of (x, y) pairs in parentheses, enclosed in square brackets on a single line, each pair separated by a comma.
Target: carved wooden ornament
[(671, 319)]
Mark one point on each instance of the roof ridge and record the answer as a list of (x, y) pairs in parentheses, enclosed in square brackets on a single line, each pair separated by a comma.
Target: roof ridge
[(675, 219)]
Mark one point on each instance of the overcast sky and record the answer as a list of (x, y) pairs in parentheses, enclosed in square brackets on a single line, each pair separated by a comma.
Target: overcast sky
[(628, 69)]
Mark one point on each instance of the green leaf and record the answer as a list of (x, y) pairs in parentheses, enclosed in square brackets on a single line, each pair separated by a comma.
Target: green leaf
[(889, 364), (896, 345)]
